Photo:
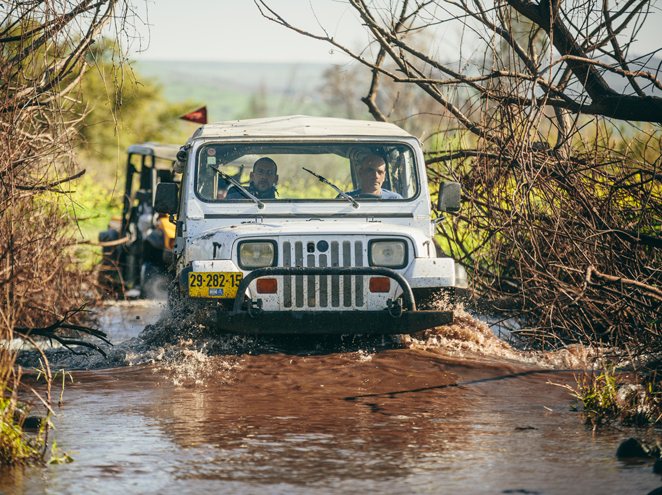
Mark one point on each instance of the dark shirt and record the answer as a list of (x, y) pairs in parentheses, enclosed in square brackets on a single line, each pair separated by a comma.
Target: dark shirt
[(236, 193)]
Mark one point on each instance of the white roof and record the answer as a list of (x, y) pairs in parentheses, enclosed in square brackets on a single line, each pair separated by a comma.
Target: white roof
[(159, 150), (299, 126)]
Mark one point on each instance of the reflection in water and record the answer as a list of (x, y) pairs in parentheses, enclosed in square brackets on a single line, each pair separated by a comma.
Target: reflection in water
[(291, 414), (281, 418)]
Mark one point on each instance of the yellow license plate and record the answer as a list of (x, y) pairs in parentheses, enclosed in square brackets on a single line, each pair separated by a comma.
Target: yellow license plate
[(214, 284)]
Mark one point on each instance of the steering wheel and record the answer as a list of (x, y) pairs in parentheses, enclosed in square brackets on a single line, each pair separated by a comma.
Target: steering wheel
[(368, 196)]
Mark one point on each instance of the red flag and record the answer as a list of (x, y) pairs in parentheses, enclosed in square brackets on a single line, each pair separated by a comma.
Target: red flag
[(198, 116)]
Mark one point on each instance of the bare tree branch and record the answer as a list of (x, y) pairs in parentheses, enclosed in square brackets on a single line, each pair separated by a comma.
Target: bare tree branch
[(51, 186)]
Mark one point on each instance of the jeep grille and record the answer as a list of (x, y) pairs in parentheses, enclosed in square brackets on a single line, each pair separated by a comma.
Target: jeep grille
[(333, 291)]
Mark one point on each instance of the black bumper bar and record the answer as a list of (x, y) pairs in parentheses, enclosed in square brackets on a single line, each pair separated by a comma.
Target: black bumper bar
[(331, 322)]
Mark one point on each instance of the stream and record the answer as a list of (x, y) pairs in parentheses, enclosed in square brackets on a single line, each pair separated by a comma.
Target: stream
[(455, 413)]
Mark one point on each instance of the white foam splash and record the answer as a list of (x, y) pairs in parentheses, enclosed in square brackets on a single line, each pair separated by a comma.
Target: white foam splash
[(364, 356), (468, 336)]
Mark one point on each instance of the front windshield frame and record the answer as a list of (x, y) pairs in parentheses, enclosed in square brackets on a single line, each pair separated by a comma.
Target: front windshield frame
[(400, 157)]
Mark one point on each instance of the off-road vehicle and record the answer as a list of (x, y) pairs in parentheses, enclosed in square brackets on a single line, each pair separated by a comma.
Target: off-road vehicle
[(315, 253), (138, 247)]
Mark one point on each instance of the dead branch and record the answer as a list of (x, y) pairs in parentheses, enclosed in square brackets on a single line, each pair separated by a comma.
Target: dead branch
[(51, 332), (51, 186), (649, 290), (576, 53)]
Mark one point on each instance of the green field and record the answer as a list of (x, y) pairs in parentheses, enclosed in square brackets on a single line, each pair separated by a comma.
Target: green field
[(240, 90)]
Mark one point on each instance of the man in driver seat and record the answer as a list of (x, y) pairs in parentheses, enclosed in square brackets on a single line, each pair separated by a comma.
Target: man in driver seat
[(371, 174), (264, 178)]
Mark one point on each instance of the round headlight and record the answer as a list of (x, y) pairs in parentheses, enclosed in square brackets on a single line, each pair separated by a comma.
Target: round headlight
[(256, 254), (389, 254)]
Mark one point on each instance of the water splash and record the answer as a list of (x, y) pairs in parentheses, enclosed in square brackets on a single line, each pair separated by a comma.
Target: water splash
[(178, 341), (196, 367), (469, 337)]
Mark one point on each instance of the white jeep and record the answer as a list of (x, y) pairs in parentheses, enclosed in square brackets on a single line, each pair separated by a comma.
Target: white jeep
[(313, 240)]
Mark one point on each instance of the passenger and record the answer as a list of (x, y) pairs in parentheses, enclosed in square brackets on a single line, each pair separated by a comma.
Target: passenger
[(264, 178), (372, 173)]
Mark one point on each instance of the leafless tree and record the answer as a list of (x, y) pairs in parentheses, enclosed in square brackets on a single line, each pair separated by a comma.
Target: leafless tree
[(558, 150), (43, 48)]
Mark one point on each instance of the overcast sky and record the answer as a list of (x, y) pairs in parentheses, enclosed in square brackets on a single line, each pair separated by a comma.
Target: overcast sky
[(234, 30)]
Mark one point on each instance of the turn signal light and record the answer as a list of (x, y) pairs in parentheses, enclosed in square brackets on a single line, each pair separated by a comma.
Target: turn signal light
[(267, 285), (380, 284)]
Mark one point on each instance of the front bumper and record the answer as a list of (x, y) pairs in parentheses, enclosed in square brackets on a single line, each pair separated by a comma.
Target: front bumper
[(331, 322), (247, 317)]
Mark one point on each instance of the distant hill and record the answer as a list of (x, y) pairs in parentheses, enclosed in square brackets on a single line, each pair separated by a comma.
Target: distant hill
[(240, 90), (234, 90)]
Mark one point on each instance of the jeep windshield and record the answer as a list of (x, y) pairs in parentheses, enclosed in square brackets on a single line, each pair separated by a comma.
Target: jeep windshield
[(275, 172)]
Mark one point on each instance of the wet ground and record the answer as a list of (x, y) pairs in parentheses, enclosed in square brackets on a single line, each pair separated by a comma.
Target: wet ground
[(453, 413)]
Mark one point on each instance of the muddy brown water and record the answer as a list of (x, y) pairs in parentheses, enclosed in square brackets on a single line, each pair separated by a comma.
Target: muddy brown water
[(436, 416)]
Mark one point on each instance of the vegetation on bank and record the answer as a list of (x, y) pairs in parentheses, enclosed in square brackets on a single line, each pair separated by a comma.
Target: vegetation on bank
[(67, 113), (16, 447), (612, 396)]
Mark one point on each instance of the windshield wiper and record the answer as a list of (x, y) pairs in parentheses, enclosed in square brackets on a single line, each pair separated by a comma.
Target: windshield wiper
[(326, 181), (235, 183)]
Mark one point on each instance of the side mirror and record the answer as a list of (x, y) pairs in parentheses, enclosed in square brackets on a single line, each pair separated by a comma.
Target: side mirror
[(182, 158), (182, 154), (450, 194), (166, 200)]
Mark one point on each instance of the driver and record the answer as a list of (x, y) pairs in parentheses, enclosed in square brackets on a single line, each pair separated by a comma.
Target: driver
[(371, 174), (264, 178)]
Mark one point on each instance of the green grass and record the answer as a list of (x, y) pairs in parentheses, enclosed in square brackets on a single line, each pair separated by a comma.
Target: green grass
[(16, 447), (94, 205), (610, 396)]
